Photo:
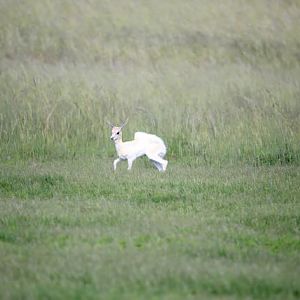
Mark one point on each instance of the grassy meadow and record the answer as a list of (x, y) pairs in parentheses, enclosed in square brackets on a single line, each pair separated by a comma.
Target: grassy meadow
[(219, 81)]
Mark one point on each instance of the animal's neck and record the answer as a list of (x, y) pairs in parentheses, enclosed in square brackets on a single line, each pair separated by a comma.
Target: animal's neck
[(118, 144)]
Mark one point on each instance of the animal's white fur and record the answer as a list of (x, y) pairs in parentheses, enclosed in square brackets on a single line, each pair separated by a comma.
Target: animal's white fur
[(143, 144)]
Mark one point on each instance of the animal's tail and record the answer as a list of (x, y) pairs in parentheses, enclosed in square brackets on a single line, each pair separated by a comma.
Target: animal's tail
[(163, 150)]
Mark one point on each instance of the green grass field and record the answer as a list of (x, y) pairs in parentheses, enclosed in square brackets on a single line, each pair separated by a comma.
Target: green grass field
[(75, 230), (218, 81)]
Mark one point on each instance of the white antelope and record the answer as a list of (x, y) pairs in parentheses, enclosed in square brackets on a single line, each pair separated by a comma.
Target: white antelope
[(143, 144)]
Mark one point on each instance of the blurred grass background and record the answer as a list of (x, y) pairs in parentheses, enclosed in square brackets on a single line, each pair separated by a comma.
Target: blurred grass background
[(218, 81)]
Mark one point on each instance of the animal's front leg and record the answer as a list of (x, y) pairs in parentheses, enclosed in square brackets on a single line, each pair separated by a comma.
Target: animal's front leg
[(130, 161), (115, 163)]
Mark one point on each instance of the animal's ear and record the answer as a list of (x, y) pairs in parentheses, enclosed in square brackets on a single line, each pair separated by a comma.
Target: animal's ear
[(124, 123), (111, 125)]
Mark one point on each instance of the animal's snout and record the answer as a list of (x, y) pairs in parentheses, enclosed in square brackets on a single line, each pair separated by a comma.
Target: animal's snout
[(113, 137)]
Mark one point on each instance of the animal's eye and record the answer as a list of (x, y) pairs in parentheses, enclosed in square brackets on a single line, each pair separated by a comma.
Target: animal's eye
[(118, 132)]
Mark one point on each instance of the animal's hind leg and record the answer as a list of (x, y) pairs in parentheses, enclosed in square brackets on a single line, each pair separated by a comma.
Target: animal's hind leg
[(158, 160), (157, 165)]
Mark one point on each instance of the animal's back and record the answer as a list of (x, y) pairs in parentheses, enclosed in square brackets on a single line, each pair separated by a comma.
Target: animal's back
[(157, 142)]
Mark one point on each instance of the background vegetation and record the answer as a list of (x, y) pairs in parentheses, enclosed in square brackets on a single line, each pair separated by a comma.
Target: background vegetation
[(219, 81)]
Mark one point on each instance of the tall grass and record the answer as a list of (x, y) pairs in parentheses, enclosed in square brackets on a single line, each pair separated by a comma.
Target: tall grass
[(218, 81)]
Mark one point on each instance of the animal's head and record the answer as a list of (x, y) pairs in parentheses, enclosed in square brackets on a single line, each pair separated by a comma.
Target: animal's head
[(116, 131)]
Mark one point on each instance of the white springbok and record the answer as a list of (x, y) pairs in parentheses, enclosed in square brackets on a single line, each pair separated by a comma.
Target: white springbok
[(143, 144)]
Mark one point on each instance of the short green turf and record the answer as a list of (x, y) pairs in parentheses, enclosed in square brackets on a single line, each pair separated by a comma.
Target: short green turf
[(76, 230)]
